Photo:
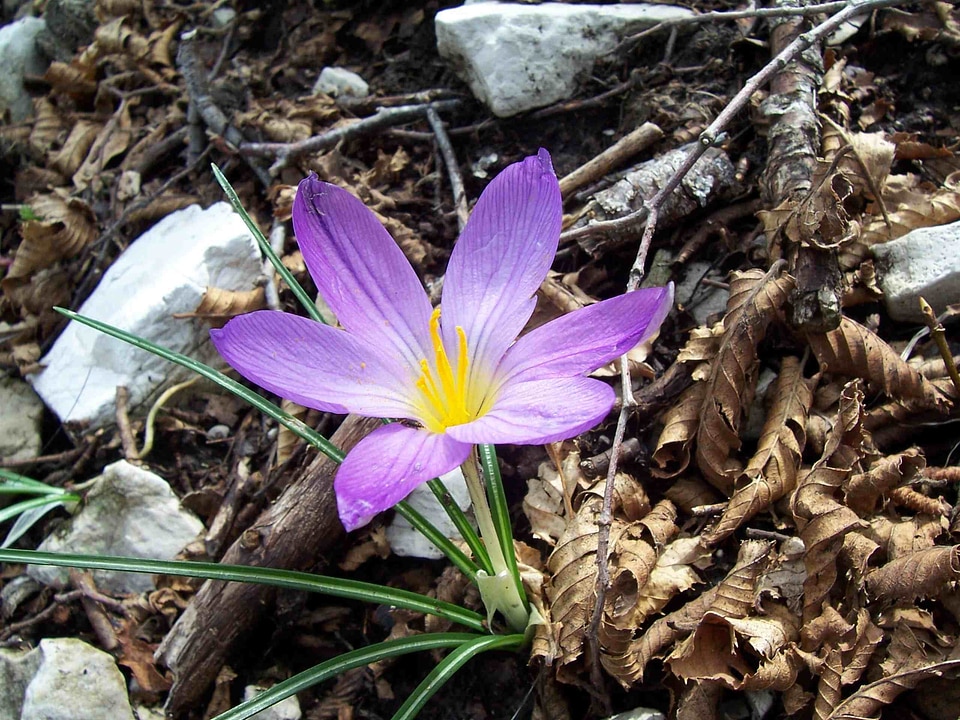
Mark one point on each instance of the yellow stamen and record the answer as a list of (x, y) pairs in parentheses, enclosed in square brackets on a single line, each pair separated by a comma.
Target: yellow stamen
[(445, 398)]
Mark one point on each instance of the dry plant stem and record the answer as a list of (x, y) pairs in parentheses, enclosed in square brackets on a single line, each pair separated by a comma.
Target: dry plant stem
[(939, 337), (650, 210), (610, 159), (97, 616), (8, 634), (278, 236), (453, 169), (384, 118), (127, 439)]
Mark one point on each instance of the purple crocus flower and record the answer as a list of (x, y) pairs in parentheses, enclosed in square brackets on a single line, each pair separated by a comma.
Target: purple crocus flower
[(460, 375)]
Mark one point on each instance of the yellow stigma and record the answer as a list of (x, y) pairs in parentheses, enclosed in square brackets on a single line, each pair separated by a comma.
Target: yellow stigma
[(444, 397)]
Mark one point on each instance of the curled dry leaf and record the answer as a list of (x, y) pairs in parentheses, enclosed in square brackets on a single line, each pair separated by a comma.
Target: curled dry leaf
[(755, 301), (64, 226), (926, 573), (772, 471), (673, 574), (821, 518), (854, 351), (543, 503), (868, 701), (218, 303), (680, 423), (862, 490), (68, 159)]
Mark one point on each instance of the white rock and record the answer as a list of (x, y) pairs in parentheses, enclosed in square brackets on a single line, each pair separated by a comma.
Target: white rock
[(640, 713), (518, 57), (164, 271), (408, 542), (75, 681), (20, 420), (19, 57), (338, 81), (924, 262), (128, 511), (17, 667), (286, 709)]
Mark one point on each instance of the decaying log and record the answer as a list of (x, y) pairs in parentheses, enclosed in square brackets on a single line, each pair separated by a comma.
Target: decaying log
[(712, 178), (793, 140), (293, 533)]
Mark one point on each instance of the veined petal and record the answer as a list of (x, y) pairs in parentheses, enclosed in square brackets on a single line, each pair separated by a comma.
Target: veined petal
[(387, 465), (581, 341), (360, 271), (500, 260), (540, 411), (315, 365)]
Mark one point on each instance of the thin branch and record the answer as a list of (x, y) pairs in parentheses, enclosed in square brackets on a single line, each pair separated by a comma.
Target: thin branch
[(453, 168), (384, 117)]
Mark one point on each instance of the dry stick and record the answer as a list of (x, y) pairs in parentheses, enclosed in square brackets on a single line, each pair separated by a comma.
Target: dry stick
[(707, 138), (453, 169), (625, 148), (717, 16), (384, 117)]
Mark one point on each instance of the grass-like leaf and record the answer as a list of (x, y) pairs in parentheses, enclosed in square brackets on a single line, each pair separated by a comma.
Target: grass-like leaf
[(342, 663), (336, 587), (13, 484), (467, 566), (462, 524), (447, 667), (500, 509)]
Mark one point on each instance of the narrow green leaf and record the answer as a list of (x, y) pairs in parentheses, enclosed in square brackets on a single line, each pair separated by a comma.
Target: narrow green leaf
[(336, 587), (500, 510), (431, 533), (13, 484), (11, 511), (266, 248), (342, 663), (462, 524), (265, 406), (447, 667)]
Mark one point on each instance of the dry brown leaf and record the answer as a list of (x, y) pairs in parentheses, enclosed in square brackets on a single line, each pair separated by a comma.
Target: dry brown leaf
[(65, 225), (543, 502), (77, 79), (755, 301), (912, 203), (821, 518), (287, 440), (680, 423), (75, 147), (921, 574), (220, 304), (855, 351), (48, 126), (112, 140), (673, 574), (114, 38), (690, 492), (867, 701), (862, 490), (772, 471)]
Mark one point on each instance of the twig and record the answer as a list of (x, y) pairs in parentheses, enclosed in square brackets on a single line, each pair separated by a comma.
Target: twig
[(453, 168), (717, 16), (940, 338), (97, 616), (625, 148), (384, 117), (707, 139), (369, 104), (127, 440)]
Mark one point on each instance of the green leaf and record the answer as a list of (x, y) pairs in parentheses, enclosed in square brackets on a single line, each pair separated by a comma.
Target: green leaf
[(266, 248), (500, 510), (13, 484), (442, 542), (462, 524), (263, 405), (342, 663), (336, 587), (447, 667)]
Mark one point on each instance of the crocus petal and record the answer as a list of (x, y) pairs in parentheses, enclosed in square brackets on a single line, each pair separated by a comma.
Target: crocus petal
[(540, 411), (312, 364), (360, 271), (387, 465), (581, 341), (500, 260)]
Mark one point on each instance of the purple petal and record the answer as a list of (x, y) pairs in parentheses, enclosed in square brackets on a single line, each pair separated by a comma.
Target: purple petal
[(540, 411), (315, 365), (387, 465), (500, 260), (360, 271), (582, 341)]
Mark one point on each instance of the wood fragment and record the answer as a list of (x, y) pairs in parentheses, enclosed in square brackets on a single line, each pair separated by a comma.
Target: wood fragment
[(610, 159)]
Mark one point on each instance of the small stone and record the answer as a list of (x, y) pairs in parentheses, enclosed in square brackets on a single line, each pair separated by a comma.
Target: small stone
[(128, 511), (340, 82), (218, 432), (407, 542), (19, 57), (223, 16), (15, 592), (164, 272), (923, 263), (20, 420), (75, 681), (518, 57), (640, 713), (286, 709), (17, 667)]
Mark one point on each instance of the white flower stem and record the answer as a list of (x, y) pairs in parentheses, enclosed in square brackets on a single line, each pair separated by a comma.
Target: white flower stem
[(502, 593)]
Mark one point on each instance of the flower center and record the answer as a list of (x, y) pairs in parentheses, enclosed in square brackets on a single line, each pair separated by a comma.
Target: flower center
[(445, 399)]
